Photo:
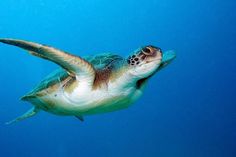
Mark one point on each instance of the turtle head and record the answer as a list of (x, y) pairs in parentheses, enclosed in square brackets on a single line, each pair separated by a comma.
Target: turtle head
[(147, 60)]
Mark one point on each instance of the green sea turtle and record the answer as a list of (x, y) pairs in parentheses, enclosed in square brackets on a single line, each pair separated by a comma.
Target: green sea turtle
[(90, 85)]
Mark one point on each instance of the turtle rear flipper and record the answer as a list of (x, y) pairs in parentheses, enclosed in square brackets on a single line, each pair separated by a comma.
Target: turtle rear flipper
[(33, 111)]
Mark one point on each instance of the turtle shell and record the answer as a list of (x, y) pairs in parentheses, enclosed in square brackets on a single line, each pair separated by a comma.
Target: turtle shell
[(102, 60), (60, 76)]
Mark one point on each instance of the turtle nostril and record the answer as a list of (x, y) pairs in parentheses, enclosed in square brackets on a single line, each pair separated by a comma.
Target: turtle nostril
[(158, 49)]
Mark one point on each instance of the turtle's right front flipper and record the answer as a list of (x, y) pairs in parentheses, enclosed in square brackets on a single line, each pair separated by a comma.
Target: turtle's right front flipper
[(74, 65)]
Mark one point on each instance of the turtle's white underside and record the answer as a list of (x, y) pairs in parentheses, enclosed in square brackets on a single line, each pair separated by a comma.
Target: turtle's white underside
[(84, 101)]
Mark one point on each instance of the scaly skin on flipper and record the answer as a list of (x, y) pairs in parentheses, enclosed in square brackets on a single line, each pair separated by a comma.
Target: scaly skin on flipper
[(73, 64)]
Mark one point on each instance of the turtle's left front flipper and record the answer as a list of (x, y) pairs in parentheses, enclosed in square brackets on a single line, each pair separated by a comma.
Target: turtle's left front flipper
[(74, 65), (33, 111)]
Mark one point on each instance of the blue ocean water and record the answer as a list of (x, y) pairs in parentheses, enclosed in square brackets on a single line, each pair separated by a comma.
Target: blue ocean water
[(187, 110)]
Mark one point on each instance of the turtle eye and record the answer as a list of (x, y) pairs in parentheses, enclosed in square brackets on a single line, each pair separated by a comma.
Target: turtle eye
[(150, 50), (146, 50)]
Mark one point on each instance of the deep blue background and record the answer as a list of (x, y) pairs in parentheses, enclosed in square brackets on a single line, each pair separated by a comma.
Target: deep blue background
[(187, 110)]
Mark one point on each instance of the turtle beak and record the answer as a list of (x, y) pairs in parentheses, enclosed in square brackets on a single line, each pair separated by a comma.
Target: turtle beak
[(167, 58)]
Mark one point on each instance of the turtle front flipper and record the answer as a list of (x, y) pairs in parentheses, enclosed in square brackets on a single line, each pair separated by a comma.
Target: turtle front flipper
[(74, 65), (33, 111)]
